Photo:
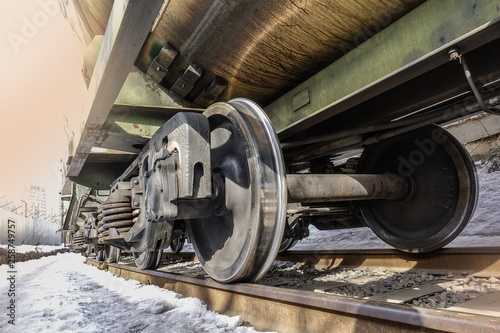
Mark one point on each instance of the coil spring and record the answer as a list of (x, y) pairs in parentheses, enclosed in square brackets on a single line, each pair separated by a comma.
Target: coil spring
[(78, 239), (115, 215)]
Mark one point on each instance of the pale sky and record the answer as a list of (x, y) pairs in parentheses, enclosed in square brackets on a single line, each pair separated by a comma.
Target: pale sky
[(41, 81)]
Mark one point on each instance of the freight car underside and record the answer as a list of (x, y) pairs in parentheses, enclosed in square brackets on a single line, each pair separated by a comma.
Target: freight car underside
[(356, 144)]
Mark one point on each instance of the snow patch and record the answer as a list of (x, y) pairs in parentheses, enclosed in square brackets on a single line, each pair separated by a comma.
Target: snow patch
[(61, 293)]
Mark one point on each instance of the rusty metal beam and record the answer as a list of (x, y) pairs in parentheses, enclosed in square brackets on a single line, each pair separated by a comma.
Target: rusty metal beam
[(128, 127), (129, 24), (100, 169), (303, 311), (140, 120), (480, 262), (117, 141), (141, 107)]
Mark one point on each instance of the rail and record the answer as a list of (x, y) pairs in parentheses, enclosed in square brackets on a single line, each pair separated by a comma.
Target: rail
[(268, 307)]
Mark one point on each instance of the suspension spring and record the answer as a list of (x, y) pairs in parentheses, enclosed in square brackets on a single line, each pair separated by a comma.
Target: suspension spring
[(114, 215)]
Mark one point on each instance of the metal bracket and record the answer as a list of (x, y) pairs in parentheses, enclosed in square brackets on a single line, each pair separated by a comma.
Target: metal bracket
[(209, 95), (186, 81), (189, 135), (161, 192), (159, 67), (174, 182)]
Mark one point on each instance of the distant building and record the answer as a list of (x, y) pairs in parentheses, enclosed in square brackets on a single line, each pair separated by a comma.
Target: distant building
[(36, 199)]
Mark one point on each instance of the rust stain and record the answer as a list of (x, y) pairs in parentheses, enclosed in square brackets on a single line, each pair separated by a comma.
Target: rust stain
[(136, 125), (270, 47)]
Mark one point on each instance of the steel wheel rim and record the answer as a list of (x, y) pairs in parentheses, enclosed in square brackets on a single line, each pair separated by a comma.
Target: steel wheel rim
[(451, 154), (147, 259), (242, 242)]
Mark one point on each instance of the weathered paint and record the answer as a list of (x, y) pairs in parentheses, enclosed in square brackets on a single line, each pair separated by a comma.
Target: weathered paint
[(100, 169), (140, 120), (264, 48), (138, 89), (424, 30), (128, 26), (141, 107)]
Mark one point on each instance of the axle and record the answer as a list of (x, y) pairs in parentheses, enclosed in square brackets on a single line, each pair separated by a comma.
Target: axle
[(304, 188)]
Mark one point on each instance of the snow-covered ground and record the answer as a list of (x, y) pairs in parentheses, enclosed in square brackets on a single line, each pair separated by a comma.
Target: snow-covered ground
[(482, 230), (34, 248), (62, 294)]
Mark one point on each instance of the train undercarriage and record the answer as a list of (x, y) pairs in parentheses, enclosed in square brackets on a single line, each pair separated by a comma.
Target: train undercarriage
[(187, 151)]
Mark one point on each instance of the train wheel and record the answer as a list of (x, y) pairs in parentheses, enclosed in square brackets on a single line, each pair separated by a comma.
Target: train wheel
[(100, 256), (242, 237), (443, 189), (287, 244), (147, 260), (177, 244), (111, 253)]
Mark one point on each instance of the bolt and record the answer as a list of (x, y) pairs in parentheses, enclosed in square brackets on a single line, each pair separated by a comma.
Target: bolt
[(454, 55), (136, 182), (136, 203)]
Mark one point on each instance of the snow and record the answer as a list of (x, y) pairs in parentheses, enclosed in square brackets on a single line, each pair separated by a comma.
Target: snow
[(62, 294), (483, 229), (34, 248)]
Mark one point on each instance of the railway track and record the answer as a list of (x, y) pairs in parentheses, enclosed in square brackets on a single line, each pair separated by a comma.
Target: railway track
[(455, 290)]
